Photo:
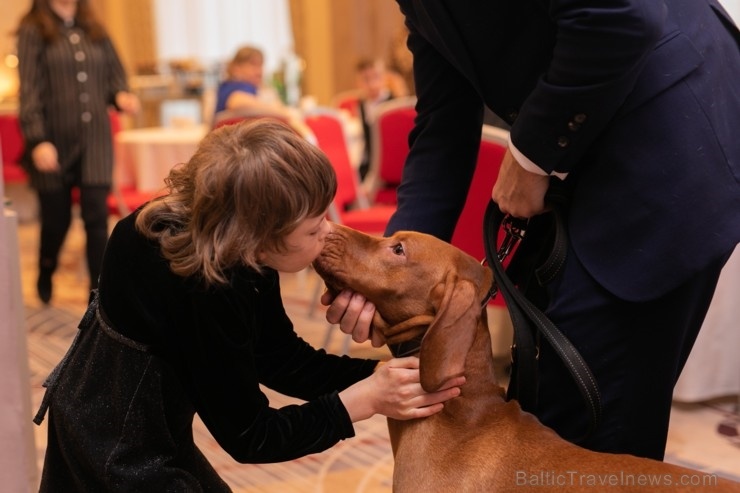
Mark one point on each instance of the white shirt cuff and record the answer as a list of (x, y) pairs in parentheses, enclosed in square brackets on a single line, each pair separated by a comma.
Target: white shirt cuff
[(528, 165)]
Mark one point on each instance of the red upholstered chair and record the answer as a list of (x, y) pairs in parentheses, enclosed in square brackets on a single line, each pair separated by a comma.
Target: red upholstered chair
[(230, 117), (350, 207), (120, 201), (348, 101), (389, 136), (468, 235), (11, 145)]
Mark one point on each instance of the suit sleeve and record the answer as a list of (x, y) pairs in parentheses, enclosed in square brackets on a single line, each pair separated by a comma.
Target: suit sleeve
[(600, 50)]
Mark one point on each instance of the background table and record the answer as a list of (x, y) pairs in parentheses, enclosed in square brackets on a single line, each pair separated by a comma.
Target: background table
[(144, 156)]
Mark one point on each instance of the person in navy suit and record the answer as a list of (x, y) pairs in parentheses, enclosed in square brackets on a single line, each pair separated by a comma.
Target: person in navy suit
[(634, 105)]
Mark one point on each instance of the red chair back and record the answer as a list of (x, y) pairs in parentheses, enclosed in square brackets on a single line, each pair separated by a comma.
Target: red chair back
[(11, 145), (330, 138), (468, 235), (230, 117), (348, 101), (350, 205), (394, 120), (394, 126)]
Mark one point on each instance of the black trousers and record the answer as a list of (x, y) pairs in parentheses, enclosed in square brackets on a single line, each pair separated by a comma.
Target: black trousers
[(56, 217), (635, 350)]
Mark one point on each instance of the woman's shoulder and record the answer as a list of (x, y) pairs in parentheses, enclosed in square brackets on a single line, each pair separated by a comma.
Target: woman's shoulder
[(29, 28)]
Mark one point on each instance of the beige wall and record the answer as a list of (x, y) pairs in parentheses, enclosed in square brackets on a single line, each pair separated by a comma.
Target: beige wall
[(131, 26), (332, 34), (12, 12)]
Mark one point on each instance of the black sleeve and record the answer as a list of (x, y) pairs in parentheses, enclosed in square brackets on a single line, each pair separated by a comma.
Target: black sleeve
[(225, 342)]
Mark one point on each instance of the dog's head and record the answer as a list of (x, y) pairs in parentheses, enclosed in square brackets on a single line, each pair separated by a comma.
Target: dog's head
[(420, 285)]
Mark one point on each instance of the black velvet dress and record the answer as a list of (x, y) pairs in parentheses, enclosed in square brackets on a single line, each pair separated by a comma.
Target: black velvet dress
[(154, 349)]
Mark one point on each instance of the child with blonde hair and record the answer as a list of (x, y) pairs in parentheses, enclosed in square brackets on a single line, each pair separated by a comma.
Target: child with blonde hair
[(189, 319)]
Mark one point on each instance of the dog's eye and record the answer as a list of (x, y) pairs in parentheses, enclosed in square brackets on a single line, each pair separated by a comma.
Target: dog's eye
[(398, 249)]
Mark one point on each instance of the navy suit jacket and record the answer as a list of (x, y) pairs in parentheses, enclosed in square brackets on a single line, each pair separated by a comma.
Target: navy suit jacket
[(637, 100)]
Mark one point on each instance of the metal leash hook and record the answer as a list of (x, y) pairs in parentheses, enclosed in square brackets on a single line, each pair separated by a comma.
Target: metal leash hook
[(514, 229)]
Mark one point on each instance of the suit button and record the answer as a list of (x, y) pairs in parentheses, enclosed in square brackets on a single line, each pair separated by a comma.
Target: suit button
[(573, 126), (563, 141), (579, 118)]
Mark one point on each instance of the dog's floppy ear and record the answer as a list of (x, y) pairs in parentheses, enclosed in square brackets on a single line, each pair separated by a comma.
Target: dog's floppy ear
[(447, 341)]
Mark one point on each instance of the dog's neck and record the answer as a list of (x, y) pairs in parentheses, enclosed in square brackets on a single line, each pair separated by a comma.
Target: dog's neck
[(480, 376)]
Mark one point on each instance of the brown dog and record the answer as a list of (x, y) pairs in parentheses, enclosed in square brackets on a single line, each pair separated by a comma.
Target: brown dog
[(479, 442)]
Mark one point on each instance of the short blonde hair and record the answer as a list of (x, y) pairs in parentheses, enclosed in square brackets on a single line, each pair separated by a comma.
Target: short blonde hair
[(244, 190), (243, 55)]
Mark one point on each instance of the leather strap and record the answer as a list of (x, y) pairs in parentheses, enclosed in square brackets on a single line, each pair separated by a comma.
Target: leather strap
[(530, 323)]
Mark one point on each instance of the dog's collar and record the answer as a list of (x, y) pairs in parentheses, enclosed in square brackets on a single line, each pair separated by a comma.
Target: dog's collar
[(413, 345), (406, 348), (415, 327)]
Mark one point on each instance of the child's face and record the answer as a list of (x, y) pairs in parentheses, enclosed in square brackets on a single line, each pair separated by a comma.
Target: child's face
[(372, 81), (303, 246), (249, 71)]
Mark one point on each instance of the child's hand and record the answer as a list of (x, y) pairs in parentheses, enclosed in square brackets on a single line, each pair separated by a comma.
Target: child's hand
[(394, 390), (354, 314)]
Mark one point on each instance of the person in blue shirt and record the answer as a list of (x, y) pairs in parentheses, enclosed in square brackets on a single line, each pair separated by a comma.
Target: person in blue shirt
[(243, 79), (241, 93)]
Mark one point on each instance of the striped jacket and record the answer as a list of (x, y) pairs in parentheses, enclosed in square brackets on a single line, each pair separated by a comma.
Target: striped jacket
[(66, 89)]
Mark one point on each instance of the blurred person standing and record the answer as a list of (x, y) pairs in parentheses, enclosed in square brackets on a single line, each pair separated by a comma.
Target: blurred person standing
[(70, 75)]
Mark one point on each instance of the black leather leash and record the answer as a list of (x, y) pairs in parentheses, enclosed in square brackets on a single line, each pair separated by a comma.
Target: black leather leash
[(528, 321)]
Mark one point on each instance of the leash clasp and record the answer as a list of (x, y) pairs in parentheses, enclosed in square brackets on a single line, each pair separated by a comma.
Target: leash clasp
[(514, 229)]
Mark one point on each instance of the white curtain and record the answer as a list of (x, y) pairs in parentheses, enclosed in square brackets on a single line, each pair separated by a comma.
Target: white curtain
[(212, 30)]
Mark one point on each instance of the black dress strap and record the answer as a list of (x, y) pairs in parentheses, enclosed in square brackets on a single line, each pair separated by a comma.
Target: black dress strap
[(93, 316)]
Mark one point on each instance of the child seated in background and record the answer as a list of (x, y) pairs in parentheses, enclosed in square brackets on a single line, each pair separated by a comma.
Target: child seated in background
[(242, 90), (376, 85)]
